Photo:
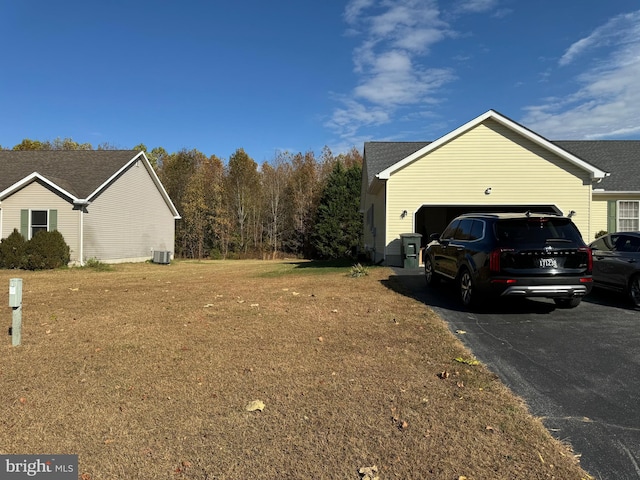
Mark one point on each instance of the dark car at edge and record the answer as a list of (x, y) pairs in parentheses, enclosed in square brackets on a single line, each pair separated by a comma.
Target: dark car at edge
[(490, 255), (616, 264)]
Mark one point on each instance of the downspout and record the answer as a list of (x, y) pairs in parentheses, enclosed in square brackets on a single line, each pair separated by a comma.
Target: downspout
[(82, 204), (81, 236), (386, 225)]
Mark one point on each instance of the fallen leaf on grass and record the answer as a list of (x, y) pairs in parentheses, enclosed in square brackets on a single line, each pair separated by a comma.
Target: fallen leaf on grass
[(444, 375), (369, 473), (254, 405), (467, 361)]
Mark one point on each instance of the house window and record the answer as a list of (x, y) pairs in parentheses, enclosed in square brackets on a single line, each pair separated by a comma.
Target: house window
[(34, 221), (39, 221), (628, 215)]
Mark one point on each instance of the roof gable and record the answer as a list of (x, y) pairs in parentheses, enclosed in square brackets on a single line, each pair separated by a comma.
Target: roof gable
[(594, 171), (77, 174)]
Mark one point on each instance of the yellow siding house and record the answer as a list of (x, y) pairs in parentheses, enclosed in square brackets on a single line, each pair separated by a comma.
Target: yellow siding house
[(492, 164)]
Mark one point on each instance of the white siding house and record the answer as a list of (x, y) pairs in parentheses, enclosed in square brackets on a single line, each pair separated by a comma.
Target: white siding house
[(109, 205)]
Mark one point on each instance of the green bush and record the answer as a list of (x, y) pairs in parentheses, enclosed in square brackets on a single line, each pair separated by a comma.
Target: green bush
[(601, 233), (95, 264), (358, 270), (12, 250), (47, 250)]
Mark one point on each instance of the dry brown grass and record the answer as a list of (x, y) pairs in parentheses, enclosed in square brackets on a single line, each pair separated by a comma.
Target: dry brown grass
[(145, 372)]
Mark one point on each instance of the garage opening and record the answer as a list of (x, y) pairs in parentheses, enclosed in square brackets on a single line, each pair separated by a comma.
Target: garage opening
[(434, 219)]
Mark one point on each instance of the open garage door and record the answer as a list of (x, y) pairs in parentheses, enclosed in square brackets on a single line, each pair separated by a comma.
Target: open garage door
[(434, 219)]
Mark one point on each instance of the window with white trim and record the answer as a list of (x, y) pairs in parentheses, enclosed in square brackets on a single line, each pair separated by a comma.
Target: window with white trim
[(39, 221), (628, 215)]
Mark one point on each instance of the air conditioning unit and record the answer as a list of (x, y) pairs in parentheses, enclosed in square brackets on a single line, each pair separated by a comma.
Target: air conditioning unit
[(161, 256)]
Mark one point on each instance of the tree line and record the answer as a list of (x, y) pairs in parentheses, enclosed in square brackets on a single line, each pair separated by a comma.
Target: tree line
[(295, 204)]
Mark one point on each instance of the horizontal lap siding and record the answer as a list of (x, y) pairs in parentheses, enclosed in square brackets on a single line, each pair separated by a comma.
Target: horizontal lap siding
[(489, 155), (377, 242), (599, 215), (128, 220), (35, 196)]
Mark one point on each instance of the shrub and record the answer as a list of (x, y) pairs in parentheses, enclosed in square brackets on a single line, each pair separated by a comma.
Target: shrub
[(95, 264), (359, 271), (12, 250), (601, 233), (47, 250)]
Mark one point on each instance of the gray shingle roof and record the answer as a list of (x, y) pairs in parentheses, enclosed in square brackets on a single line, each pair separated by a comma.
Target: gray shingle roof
[(381, 155), (79, 172), (621, 158)]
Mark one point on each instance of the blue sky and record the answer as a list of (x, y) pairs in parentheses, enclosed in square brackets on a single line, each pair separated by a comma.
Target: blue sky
[(296, 75)]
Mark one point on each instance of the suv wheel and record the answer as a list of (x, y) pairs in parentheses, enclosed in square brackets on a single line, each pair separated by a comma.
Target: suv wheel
[(430, 275), (572, 302), (634, 290), (465, 288)]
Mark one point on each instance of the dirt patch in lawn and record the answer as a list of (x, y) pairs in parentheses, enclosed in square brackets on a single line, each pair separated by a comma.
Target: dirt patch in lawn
[(149, 371)]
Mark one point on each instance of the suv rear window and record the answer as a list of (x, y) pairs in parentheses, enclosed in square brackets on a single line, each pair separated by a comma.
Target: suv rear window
[(537, 231)]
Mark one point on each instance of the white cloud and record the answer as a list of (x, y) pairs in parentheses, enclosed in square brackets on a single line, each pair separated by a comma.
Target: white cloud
[(619, 30), (394, 81), (352, 115), (477, 6), (390, 61), (354, 8), (606, 103)]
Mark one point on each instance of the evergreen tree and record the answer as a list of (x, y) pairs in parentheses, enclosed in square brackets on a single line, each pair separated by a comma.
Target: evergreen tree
[(338, 226)]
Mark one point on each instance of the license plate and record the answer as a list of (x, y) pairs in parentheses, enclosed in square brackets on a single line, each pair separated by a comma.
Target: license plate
[(548, 263)]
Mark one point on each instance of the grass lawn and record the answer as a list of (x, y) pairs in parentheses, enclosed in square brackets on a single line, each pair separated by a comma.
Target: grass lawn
[(146, 371)]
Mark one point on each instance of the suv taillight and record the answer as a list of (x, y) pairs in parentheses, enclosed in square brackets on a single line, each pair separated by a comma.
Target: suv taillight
[(494, 259), (587, 250)]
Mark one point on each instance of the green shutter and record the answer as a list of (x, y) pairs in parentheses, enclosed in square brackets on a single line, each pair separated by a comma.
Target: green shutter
[(24, 223), (612, 221), (53, 220)]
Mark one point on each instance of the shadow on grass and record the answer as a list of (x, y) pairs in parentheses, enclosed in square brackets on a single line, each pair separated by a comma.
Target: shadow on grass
[(334, 263)]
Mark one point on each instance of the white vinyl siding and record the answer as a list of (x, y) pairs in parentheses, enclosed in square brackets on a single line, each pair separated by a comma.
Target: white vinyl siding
[(128, 220), (488, 155), (37, 197)]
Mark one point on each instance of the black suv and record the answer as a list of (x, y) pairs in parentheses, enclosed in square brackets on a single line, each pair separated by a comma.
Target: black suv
[(511, 254)]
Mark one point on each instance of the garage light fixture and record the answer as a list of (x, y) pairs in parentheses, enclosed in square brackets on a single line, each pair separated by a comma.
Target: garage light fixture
[(487, 191), (403, 214)]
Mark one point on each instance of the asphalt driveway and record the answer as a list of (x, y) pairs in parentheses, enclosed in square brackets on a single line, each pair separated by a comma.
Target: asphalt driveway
[(578, 369)]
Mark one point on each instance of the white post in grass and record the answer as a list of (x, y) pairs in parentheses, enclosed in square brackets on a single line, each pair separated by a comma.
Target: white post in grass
[(15, 302)]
